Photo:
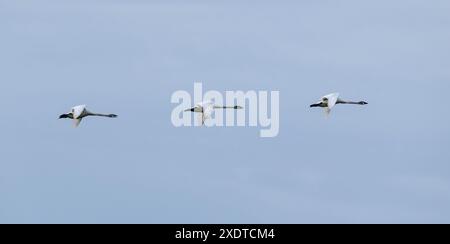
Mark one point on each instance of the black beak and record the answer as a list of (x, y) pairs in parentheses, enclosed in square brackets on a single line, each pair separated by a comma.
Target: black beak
[(314, 105), (63, 116)]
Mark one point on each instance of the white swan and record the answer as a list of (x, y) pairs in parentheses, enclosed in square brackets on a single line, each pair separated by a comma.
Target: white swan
[(329, 101), (206, 109), (77, 113)]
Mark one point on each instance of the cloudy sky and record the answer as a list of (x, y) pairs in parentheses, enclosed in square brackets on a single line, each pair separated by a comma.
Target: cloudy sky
[(387, 162)]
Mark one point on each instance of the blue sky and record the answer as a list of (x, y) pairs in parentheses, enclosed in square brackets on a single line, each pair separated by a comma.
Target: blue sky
[(387, 162)]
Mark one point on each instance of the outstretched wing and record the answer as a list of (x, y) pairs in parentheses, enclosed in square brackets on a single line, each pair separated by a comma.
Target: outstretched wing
[(206, 113), (327, 111), (200, 119), (331, 100), (208, 110), (77, 122), (78, 111)]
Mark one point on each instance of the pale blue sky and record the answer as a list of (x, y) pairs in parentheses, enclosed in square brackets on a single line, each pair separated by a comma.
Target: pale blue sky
[(384, 163)]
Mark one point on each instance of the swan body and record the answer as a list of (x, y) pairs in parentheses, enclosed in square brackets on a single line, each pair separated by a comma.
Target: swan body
[(79, 112), (329, 101), (206, 109)]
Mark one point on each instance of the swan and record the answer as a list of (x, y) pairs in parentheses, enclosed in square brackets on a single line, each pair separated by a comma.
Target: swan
[(206, 109), (329, 101), (77, 113)]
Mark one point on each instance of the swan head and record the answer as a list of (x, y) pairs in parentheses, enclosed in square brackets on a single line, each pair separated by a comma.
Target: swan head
[(362, 103), (66, 116), (189, 110), (316, 105)]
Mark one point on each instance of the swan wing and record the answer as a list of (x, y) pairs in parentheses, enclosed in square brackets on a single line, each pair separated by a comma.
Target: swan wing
[(208, 109), (205, 113), (331, 99), (200, 118), (78, 111), (76, 122)]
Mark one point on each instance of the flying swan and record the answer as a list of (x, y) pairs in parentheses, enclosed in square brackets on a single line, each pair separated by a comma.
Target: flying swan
[(329, 101), (206, 109), (77, 113)]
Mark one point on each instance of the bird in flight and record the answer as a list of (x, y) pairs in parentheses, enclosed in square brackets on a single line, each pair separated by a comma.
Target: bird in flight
[(329, 101), (205, 109), (77, 113)]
